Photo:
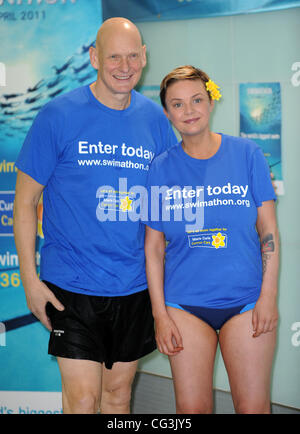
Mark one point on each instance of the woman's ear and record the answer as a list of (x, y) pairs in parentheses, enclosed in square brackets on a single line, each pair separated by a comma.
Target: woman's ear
[(165, 112)]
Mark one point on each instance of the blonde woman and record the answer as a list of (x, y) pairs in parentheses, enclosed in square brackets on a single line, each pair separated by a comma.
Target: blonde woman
[(216, 282)]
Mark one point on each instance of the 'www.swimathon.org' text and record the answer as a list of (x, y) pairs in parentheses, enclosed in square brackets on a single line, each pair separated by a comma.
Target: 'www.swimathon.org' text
[(114, 163), (205, 203)]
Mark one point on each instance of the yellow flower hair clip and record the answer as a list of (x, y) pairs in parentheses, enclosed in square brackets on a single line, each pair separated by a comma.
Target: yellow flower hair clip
[(212, 88)]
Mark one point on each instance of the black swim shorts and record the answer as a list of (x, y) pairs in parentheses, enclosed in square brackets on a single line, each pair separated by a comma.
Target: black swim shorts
[(102, 329)]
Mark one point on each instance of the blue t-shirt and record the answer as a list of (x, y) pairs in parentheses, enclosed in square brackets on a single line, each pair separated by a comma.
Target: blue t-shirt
[(207, 210), (90, 158)]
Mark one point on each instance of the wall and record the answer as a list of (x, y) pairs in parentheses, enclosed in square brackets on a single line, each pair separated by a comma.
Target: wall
[(232, 50)]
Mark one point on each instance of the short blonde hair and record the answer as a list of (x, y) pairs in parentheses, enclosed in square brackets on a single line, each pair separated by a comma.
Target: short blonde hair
[(187, 72)]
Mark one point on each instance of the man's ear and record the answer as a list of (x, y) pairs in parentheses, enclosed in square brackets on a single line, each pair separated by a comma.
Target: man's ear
[(94, 57), (144, 55)]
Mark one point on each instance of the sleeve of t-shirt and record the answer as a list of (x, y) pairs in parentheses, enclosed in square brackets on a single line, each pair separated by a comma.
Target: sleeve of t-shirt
[(152, 200), (262, 187), (39, 154)]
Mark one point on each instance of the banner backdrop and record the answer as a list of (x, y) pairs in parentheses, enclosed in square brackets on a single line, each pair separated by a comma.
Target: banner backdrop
[(162, 10), (260, 120), (44, 52)]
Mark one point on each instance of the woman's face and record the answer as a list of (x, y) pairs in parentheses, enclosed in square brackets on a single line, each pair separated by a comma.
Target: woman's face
[(188, 106)]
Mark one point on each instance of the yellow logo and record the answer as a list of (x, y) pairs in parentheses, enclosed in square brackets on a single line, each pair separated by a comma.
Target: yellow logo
[(125, 204), (218, 240)]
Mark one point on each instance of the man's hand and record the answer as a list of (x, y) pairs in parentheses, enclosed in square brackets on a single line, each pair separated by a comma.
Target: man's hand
[(37, 296)]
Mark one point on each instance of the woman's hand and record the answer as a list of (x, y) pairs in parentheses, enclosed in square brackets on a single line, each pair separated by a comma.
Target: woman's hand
[(265, 315), (168, 338)]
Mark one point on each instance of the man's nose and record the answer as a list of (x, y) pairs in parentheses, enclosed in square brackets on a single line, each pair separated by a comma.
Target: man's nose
[(124, 65)]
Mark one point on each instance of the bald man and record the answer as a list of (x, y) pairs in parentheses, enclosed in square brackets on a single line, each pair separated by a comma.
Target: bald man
[(89, 152)]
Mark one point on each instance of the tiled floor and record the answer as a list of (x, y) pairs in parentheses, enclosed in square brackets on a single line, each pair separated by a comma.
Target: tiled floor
[(154, 395)]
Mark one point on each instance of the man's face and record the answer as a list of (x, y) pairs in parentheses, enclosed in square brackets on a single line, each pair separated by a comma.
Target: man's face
[(121, 59)]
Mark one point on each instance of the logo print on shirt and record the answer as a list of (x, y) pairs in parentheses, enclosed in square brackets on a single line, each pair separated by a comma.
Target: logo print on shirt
[(126, 204), (58, 332), (209, 238), (218, 240)]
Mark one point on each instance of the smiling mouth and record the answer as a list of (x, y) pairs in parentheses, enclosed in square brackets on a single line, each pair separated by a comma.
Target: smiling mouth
[(191, 121), (122, 77)]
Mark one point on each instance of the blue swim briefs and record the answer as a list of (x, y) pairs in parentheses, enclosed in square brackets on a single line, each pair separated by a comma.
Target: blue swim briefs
[(216, 318)]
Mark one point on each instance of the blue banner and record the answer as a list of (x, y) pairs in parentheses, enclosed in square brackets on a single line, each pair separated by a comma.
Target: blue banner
[(260, 120), (162, 10), (44, 53)]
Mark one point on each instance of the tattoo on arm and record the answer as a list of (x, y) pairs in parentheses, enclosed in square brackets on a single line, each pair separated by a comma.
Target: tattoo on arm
[(267, 246)]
